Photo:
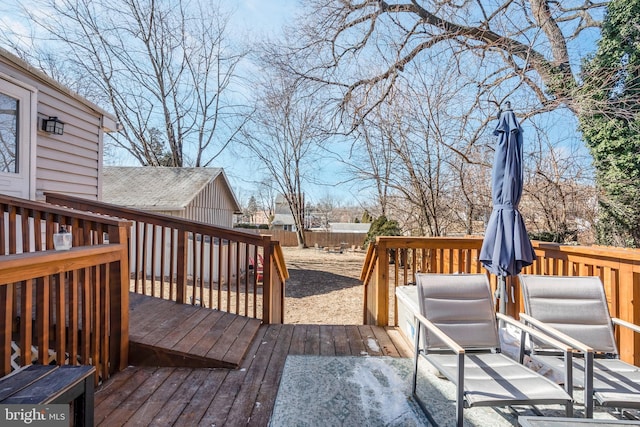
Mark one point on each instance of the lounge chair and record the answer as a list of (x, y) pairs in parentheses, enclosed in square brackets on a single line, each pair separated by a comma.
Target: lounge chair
[(574, 310), (457, 332)]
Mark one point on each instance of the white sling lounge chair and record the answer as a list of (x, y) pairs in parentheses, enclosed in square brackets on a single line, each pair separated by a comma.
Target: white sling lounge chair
[(457, 332), (574, 310)]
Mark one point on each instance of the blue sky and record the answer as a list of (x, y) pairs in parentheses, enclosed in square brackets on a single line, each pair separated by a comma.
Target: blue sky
[(252, 20), (266, 16), (255, 19)]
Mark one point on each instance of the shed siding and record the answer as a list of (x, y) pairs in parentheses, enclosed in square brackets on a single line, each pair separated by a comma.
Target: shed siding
[(212, 205), (66, 163)]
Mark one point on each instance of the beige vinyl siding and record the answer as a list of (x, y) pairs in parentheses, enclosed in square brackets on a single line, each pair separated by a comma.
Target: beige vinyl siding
[(212, 205), (68, 163)]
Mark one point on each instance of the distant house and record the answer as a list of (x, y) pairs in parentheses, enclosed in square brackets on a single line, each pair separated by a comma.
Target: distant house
[(198, 194), (282, 218), (34, 161)]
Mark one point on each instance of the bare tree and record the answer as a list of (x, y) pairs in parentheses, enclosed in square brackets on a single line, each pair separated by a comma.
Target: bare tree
[(325, 211), (267, 198), (166, 70), (285, 132), (371, 159), (559, 198), (362, 47), (420, 146)]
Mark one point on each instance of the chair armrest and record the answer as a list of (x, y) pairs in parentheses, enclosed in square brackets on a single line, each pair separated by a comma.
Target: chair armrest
[(535, 332), (453, 346), (459, 354), (553, 332), (626, 324), (566, 347)]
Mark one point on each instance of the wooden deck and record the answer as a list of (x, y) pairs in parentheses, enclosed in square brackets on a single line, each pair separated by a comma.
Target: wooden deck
[(181, 396), (163, 333)]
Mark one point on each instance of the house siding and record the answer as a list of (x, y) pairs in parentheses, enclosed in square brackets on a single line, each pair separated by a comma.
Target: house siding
[(212, 205), (69, 163)]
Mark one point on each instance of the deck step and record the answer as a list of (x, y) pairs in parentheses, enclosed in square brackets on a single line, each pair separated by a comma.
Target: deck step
[(165, 334)]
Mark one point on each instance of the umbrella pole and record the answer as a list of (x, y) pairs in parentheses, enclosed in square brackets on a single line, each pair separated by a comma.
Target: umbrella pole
[(502, 292)]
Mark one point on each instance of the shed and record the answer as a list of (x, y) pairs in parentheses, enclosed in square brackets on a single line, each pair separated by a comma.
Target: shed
[(349, 227), (198, 194), (34, 161)]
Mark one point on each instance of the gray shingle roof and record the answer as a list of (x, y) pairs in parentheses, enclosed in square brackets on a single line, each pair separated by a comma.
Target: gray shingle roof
[(156, 188)]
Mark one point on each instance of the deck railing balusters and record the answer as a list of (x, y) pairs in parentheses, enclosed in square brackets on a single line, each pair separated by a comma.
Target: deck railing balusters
[(49, 300), (187, 268), (618, 268)]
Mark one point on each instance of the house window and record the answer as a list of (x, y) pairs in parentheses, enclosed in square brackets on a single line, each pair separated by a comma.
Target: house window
[(9, 108), (17, 138)]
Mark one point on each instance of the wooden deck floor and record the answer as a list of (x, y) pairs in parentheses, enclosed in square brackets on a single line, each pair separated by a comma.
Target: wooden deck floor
[(147, 396), (163, 333)]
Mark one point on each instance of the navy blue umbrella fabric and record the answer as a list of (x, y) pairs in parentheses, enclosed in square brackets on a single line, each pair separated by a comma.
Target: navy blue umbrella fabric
[(506, 248)]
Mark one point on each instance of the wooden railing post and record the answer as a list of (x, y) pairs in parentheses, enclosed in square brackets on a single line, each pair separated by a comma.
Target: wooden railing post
[(382, 285), (267, 281), (274, 276), (119, 278)]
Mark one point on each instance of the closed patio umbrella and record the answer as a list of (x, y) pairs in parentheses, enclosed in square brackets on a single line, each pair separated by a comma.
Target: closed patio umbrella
[(506, 248)]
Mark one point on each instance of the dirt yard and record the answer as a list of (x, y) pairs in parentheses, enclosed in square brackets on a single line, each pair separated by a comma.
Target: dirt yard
[(323, 287)]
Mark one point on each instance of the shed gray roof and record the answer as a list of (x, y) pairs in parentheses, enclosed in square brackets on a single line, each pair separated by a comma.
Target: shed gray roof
[(349, 227), (158, 188)]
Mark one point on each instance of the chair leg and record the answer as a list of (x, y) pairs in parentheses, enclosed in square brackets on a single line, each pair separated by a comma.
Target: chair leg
[(588, 385), (460, 391), (416, 354), (568, 382)]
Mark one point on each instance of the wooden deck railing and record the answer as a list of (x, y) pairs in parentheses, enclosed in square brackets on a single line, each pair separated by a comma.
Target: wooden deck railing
[(65, 306), (393, 261), (198, 263)]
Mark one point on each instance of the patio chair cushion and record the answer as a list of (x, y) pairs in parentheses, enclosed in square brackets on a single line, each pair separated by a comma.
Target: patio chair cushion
[(576, 306), (493, 379), (458, 305)]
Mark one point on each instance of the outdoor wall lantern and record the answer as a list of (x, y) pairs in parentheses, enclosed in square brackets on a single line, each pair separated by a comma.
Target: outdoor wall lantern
[(53, 125)]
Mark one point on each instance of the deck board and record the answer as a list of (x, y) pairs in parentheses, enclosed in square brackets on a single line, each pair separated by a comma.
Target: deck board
[(189, 388), (178, 333), (355, 342), (269, 388), (327, 346), (198, 332), (199, 396), (312, 343), (163, 333), (162, 396), (202, 400)]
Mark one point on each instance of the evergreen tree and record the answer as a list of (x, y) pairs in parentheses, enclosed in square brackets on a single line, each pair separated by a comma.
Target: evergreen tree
[(609, 119), (252, 209), (366, 217), (382, 227)]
